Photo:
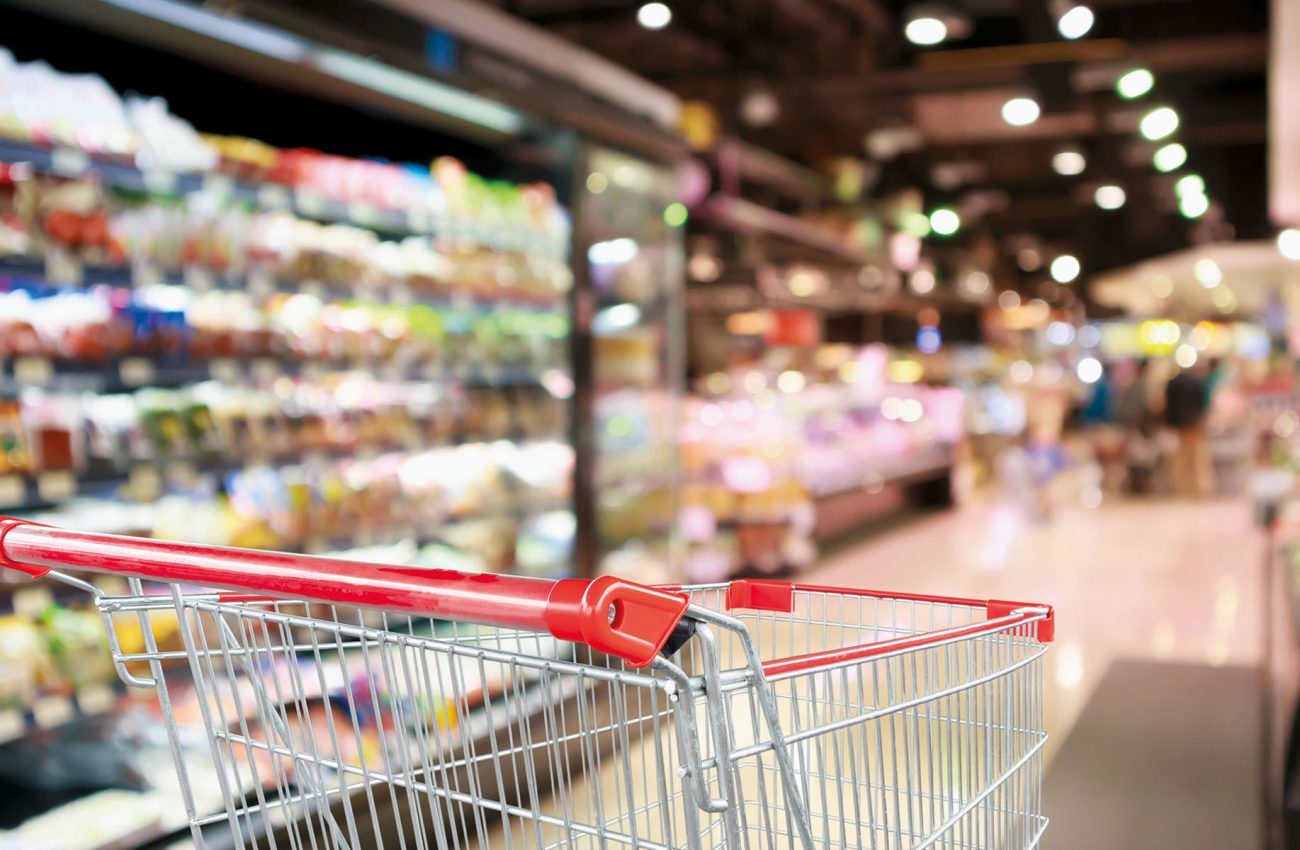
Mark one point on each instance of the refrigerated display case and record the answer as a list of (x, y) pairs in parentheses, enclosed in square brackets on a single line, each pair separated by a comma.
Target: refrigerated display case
[(265, 346), (630, 316)]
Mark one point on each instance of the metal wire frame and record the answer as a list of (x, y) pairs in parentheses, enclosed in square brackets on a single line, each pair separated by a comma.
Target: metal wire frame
[(340, 728)]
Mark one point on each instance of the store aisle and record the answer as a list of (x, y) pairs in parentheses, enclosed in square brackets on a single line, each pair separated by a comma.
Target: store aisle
[(1151, 689), (1159, 580)]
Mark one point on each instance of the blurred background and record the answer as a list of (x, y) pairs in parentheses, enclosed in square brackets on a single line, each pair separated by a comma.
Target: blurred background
[(991, 298)]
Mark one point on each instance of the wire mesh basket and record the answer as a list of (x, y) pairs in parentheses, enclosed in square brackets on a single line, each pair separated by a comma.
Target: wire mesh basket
[(348, 705)]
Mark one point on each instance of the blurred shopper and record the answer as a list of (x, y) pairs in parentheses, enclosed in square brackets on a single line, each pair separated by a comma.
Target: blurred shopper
[(1132, 410), (1185, 408)]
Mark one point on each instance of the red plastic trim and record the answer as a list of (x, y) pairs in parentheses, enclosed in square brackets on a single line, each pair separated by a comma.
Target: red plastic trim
[(1044, 630), (8, 524), (868, 651), (759, 595), (643, 620)]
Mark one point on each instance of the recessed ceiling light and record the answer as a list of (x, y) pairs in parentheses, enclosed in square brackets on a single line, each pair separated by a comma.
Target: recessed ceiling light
[(944, 221), (1170, 157), (1193, 206), (1069, 163), (1135, 83), (1158, 123), (654, 16), (1110, 196), (1065, 268), (1288, 243), (1020, 111), (1189, 184), (1207, 273), (1076, 22), (926, 31)]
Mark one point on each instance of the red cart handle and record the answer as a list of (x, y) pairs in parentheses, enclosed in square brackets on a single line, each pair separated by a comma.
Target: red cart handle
[(619, 617)]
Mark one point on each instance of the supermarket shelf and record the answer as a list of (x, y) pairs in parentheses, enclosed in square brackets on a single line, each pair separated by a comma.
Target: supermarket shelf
[(124, 374), (72, 163), (909, 469), (201, 278)]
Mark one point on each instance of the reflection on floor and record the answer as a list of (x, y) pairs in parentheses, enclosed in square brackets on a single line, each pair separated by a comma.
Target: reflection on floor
[(1158, 605)]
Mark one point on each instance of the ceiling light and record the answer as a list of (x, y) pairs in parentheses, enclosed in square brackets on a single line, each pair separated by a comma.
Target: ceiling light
[(1009, 300), (922, 281), (1110, 196), (1076, 22), (654, 16), (1158, 123), (1288, 243), (926, 31), (1135, 83), (1020, 111), (1169, 157), (760, 108), (1194, 206), (1089, 370), (1189, 184), (1029, 259), (1207, 273), (1068, 163), (1065, 268), (944, 221)]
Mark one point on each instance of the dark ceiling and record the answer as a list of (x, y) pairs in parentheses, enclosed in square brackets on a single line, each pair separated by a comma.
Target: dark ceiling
[(841, 69)]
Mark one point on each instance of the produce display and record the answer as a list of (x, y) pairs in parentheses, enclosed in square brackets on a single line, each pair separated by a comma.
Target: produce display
[(758, 455)]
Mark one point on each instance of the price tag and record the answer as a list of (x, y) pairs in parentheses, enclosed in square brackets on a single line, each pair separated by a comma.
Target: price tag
[(61, 267), (145, 273), (363, 214), (218, 184), (52, 711), (144, 482), (182, 473), (13, 490), (200, 278), (136, 371), (160, 181), (225, 370), (309, 203), (266, 369), (418, 219), (69, 162), (36, 371), (95, 699), (31, 602), (261, 283), (56, 486), (12, 725), (272, 196)]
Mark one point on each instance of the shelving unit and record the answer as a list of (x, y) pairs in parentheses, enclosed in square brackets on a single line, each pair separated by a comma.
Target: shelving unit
[(485, 435)]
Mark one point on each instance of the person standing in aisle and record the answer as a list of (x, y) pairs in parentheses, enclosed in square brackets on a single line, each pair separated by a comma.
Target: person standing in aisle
[(1185, 407), (1133, 415)]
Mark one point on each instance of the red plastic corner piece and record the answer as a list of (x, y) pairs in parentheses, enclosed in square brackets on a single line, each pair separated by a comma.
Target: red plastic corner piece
[(1044, 629), (614, 616), (8, 524), (759, 595)]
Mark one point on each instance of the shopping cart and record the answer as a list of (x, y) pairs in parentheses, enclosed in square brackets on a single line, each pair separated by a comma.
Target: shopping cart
[(351, 705)]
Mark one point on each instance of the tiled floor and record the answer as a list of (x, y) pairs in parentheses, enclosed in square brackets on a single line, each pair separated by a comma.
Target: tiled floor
[(1146, 580)]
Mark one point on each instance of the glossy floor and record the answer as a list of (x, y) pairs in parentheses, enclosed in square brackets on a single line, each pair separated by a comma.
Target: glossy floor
[(1173, 581)]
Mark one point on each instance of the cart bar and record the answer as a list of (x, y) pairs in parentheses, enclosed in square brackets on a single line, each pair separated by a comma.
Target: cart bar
[(866, 651), (778, 596), (610, 615)]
